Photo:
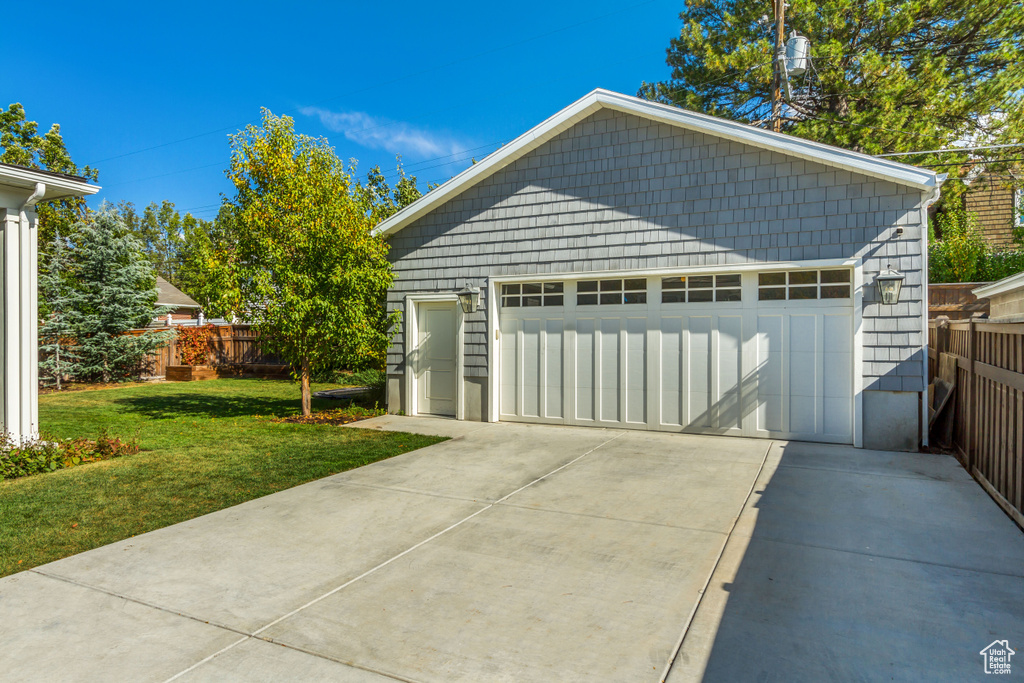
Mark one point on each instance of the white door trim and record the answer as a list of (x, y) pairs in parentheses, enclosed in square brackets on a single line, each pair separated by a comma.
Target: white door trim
[(411, 335)]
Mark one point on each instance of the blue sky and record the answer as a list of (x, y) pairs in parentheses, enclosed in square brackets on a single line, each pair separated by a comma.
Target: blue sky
[(148, 94)]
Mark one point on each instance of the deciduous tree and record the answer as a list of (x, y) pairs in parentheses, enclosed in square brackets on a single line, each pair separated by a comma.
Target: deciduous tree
[(24, 146), (311, 275)]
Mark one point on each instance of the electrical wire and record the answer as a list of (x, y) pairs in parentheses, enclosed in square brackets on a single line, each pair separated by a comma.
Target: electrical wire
[(950, 149)]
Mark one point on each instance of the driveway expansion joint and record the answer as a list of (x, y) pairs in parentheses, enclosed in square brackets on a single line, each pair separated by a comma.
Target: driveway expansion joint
[(881, 556), (137, 601), (257, 632), (610, 519), (721, 551)]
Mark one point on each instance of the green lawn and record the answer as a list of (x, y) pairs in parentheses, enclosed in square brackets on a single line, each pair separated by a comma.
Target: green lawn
[(204, 446)]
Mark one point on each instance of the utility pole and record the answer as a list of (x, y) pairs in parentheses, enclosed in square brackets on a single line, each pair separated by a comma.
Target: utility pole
[(780, 54)]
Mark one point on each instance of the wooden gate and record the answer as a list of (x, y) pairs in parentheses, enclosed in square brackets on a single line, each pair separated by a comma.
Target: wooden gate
[(989, 411)]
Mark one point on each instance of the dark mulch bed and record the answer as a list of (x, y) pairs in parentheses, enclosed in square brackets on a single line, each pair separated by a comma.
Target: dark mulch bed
[(338, 416)]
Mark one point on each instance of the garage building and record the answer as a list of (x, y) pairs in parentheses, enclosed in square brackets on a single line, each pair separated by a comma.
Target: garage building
[(646, 267)]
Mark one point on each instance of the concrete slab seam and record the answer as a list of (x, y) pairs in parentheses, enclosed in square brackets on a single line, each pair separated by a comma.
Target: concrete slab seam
[(714, 568), (417, 492), (204, 660), (613, 519), (326, 595), (137, 601), (836, 470), (892, 557), (427, 540), (353, 665)]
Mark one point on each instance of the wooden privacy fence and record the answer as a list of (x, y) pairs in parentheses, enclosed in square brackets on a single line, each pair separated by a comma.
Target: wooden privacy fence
[(956, 300), (988, 426), (229, 346)]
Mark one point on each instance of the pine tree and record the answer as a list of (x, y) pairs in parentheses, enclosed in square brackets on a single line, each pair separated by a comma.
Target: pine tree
[(115, 293), (889, 75), (56, 333)]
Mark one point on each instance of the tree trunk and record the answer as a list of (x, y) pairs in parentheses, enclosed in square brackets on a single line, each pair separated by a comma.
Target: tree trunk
[(306, 397)]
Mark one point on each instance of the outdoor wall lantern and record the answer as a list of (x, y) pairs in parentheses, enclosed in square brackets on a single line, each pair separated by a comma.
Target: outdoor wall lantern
[(889, 283), (469, 298)]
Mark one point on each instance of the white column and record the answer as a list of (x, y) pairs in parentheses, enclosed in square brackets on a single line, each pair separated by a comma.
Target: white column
[(30, 329), (12, 325)]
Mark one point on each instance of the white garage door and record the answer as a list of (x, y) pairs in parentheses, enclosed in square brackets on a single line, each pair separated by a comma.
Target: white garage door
[(757, 354)]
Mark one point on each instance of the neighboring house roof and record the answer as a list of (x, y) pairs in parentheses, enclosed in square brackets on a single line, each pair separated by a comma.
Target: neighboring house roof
[(169, 295), (58, 185), (1007, 284), (731, 130)]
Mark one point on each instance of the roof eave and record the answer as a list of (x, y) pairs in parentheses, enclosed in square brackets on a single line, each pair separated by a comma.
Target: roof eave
[(57, 187), (999, 287)]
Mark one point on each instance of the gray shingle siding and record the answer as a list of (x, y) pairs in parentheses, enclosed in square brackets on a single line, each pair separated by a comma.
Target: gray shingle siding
[(618, 192)]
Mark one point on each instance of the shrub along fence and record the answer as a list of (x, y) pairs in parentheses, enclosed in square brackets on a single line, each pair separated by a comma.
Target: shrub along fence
[(988, 427), (233, 349)]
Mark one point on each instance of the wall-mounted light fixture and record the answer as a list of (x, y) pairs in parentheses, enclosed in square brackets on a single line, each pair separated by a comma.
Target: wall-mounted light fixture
[(469, 298), (889, 283)]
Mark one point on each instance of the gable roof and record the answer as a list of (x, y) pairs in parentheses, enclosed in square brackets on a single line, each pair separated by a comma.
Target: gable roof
[(169, 295), (837, 157)]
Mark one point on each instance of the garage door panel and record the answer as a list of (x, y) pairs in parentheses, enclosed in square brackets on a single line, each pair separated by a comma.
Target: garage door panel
[(509, 366), (608, 345), (636, 370), (838, 421), (770, 366), (671, 371), (586, 385), (698, 363), (730, 372), (554, 381), (531, 379), (837, 349)]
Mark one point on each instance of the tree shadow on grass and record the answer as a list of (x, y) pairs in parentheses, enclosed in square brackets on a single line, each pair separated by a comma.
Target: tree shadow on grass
[(170, 406)]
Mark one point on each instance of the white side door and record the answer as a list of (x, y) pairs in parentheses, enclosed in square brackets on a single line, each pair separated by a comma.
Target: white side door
[(435, 358)]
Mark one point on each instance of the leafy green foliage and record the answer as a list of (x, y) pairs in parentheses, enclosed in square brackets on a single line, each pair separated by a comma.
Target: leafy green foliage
[(892, 75), (957, 252), (24, 146), (57, 281), (956, 256), (206, 272), (114, 291), (310, 274), (997, 264), (47, 455)]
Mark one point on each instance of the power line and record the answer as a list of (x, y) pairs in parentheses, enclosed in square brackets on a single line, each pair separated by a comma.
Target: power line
[(972, 163), (950, 149)]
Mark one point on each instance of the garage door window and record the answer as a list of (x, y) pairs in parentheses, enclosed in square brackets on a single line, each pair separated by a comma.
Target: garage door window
[(700, 288), (532, 294), (803, 285), (611, 292)]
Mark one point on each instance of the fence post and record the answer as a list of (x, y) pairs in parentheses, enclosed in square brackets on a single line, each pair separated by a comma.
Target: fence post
[(970, 411)]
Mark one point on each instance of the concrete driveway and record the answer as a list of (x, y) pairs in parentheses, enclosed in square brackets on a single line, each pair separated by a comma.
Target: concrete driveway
[(534, 553)]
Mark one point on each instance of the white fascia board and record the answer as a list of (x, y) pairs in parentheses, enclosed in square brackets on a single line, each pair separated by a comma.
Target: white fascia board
[(56, 186), (1007, 284), (902, 174)]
